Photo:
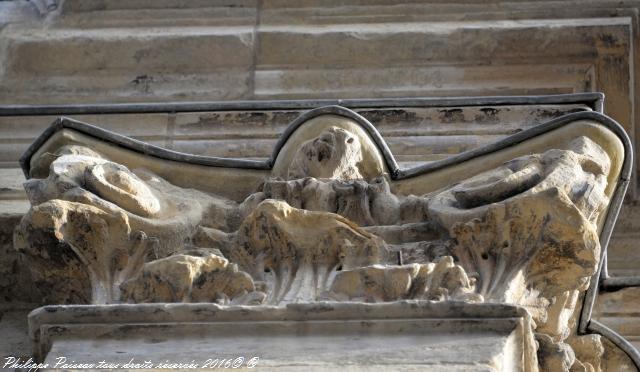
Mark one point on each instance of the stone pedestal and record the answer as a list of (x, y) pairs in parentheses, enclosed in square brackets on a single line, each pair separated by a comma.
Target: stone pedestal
[(322, 336)]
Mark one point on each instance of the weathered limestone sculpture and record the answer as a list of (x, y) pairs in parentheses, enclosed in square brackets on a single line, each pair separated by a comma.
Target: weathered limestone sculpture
[(331, 221)]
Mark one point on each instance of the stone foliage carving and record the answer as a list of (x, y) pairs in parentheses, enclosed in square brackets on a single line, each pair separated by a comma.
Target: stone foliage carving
[(523, 233)]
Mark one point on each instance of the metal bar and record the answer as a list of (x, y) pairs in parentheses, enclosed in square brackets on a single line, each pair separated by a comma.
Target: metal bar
[(391, 163), (593, 100), (619, 282), (390, 160), (599, 104), (134, 145), (617, 340), (605, 236), (527, 134)]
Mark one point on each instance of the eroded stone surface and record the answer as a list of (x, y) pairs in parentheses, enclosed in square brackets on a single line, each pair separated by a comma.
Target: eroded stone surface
[(525, 233), (317, 336), (192, 276)]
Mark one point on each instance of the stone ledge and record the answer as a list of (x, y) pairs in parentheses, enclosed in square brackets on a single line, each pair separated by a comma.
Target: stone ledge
[(620, 310), (316, 336)]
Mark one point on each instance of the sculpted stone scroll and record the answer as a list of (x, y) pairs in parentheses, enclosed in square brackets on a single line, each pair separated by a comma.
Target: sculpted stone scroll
[(327, 228)]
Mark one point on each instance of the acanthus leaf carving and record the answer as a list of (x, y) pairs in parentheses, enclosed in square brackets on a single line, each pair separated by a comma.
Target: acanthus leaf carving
[(524, 233)]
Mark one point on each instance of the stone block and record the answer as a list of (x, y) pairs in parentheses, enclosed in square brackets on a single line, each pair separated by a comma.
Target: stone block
[(14, 330), (397, 80), (98, 65), (314, 337), (619, 311)]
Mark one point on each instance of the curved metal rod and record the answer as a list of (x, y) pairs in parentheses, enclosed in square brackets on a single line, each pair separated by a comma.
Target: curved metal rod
[(512, 140), (396, 173), (365, 124), (599, 328), (133, 145)]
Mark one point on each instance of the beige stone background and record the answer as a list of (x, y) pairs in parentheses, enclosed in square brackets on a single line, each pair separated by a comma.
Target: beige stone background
[(119, 51)]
